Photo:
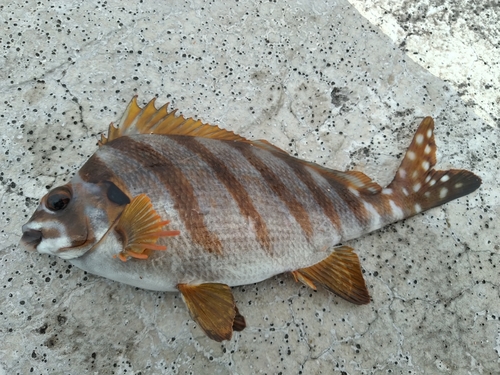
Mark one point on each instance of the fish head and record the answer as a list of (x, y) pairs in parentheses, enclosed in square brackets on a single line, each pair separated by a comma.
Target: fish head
[(72, 219)]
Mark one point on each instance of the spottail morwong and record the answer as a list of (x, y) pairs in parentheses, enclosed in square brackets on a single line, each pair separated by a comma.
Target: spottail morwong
[(171, 204)]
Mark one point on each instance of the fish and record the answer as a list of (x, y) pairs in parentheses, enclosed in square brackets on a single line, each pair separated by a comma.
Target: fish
[(172, 204)]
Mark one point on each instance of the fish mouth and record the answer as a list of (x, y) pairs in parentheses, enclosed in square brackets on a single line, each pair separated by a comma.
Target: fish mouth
[(55, 240), (31, 238)]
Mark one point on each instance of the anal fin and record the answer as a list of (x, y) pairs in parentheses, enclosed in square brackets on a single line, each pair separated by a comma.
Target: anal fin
[(140, 227), (212, 307), (340, 273)]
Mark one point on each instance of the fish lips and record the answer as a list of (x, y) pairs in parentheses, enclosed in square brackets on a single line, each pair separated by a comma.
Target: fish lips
[(49, 241), (31, 238)]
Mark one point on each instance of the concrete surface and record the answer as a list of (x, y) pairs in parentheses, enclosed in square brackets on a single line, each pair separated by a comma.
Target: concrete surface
[(316, 79), (458, 41)]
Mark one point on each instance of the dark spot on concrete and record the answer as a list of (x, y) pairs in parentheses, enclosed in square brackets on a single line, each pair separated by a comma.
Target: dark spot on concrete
[(61, 319), (338, 96), (404, 113), (51, 342), (43, 329)]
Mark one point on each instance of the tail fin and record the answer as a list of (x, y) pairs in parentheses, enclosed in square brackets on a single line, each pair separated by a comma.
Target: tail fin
[(423, 187)]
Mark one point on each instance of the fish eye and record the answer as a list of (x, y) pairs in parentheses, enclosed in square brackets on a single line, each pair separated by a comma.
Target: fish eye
[(58, 199)]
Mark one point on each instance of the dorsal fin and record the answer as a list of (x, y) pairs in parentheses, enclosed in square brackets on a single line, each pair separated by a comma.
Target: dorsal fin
[(353, 179), (149, 120)]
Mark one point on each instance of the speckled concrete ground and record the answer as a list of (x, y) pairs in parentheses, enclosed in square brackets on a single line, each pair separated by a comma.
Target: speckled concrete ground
[(317, 80)]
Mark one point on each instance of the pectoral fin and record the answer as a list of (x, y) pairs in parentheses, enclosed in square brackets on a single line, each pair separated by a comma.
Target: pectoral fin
[(212, 307), (340, 273), (140, 227)]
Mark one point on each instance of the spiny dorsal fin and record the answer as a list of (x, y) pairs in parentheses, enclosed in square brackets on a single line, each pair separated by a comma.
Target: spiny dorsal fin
[(149, 120)]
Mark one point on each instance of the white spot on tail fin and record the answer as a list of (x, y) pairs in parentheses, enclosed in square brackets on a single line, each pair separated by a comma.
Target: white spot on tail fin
[(417, 208), (419, 139), (411, 155), (432, 183), (443, 192), (444, 178), (427, 149), (405, 192), (427, 178), (425, 165), (417, 187), (458, 185), (429, 133)]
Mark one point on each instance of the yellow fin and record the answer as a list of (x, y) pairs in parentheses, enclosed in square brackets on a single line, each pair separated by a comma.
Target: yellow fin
[(340, 273), (140, 227), (212, 307), (303, 279), (149, 120)]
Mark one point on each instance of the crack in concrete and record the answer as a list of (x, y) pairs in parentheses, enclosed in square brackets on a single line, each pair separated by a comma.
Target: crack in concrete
[(301, 330)]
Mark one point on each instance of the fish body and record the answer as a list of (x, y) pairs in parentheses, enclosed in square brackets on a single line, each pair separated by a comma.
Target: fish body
[(171, 204)]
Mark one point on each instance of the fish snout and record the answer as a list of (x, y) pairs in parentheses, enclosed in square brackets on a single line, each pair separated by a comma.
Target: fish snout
[(31, 238)]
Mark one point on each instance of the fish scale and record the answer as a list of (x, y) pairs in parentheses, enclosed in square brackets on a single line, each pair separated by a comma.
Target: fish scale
[(228, 222), (172, 204), (255, 193)]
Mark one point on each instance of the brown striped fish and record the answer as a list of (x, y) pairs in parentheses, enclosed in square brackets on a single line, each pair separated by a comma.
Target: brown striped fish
[(171, 204)]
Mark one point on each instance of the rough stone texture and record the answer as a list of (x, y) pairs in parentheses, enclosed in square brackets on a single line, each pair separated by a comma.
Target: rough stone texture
[(317, 80), (458, 41)]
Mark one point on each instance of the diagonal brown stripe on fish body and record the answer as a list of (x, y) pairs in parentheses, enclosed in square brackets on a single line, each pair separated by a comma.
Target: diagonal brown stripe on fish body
[(232, 184), (172, 179), (296, 208), (311, 180)]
